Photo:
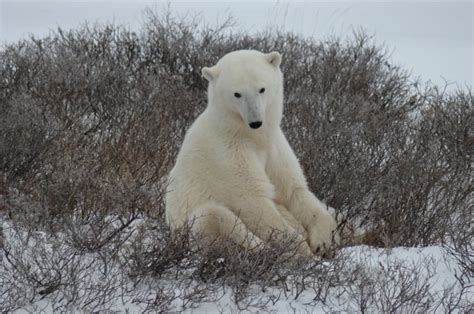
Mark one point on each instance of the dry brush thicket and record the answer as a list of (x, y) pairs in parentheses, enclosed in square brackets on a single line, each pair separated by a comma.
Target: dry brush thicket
[(90, 124)]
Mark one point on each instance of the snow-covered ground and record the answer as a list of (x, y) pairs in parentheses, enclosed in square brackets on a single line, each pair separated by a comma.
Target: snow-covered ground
[(437, 272), (370, 279)]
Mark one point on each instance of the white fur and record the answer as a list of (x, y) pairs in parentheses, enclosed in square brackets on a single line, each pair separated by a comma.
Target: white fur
[(235, 181)]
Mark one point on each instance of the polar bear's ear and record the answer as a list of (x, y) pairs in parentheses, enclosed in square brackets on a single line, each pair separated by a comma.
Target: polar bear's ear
[(274, 58), (209, 73)]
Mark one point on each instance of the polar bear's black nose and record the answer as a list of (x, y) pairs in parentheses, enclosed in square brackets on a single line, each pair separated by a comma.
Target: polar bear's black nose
[(255, 125)]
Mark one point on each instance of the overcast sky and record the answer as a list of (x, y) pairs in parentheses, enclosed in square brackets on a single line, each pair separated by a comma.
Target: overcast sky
[(434, 40)]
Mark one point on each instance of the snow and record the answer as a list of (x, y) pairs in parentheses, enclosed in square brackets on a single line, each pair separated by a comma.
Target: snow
[(389, 272), (376, 259)]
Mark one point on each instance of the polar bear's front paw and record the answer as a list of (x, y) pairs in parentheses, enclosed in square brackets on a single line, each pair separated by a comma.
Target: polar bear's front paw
[(322, 233)]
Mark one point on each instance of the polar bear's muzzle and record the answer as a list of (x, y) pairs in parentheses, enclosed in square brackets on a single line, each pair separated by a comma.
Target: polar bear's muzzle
[(252, 112)]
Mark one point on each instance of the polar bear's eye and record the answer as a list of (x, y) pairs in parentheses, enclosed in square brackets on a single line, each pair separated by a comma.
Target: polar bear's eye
[(262, 90), (238, 95)]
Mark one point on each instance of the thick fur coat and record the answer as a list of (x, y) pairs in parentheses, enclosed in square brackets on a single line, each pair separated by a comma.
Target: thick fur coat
[(236, 176)]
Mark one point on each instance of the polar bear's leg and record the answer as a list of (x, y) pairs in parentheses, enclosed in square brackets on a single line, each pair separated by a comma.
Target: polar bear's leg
[(261, 216), (322, 227), (286, 174), (291, 219), (212, 222)]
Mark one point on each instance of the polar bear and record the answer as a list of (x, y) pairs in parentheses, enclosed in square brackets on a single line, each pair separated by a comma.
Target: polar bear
[(236, 176)]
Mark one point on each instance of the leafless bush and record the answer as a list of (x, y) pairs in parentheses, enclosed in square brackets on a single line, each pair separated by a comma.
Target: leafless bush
[(91, 121), (38, 266), (376, 147), (391, 288)]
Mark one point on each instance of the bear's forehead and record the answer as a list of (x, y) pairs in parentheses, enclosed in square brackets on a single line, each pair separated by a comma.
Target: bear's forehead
[(243, 55), (245, 75), (244, 59), (245, 70)]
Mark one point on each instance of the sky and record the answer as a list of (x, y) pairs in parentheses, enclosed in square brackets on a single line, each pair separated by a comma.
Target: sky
[(431, 39)]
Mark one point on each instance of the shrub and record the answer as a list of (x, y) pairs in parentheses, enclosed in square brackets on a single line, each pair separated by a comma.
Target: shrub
[(92, 119)]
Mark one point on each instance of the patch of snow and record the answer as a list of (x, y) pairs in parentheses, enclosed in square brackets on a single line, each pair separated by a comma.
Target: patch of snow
[(428, 267)]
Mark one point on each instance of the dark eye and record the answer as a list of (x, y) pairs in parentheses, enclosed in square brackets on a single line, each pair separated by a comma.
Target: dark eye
[(262, 90), (238, 95)]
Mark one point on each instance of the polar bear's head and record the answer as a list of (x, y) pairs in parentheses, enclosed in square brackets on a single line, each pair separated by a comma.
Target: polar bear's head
[(249, 85)]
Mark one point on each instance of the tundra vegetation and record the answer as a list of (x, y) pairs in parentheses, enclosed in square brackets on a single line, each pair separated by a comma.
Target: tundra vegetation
[(91, 121)]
